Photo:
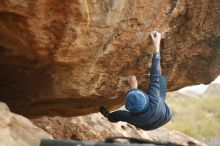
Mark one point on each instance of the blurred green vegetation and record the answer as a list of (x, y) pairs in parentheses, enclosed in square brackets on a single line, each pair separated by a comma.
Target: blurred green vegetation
[(197, 117)]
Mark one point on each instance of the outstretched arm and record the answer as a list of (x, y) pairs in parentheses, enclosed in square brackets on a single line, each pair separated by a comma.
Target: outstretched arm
[(154, 86)]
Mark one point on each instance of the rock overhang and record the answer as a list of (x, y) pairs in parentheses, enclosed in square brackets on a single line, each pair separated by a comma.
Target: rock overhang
[(68, 58)]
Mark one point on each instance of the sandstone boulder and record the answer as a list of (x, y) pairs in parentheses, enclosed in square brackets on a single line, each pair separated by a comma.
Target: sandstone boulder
[(95, 127), (62, 57), (16, 130)]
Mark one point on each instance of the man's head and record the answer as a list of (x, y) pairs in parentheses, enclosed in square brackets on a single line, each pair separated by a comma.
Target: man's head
[(136, 101)]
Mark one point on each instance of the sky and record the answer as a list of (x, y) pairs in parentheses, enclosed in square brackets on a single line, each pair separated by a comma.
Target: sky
[(199, 88)]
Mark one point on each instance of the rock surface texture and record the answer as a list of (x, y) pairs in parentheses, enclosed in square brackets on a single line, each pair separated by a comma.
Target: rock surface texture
[(96, 128), (68, 57), (16, 130)]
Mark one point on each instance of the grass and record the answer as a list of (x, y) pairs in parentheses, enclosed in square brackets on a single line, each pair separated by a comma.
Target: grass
[(197, 117)]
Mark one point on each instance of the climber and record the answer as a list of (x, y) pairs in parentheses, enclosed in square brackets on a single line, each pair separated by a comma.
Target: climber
[(145, 110)]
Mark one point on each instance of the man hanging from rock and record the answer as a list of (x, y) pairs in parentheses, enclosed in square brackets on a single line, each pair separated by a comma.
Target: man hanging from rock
[(145, 110)]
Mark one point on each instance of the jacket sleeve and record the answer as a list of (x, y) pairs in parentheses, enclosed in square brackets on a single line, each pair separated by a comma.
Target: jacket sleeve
[(154, 85)]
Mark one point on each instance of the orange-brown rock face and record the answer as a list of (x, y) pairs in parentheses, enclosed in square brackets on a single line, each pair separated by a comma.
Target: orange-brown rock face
[(68, 57)]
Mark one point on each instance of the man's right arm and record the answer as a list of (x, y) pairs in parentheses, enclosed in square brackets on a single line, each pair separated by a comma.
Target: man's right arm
[(154, 86)]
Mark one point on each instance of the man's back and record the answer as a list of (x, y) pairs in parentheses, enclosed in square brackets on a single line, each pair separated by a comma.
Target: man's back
[(156, 115)]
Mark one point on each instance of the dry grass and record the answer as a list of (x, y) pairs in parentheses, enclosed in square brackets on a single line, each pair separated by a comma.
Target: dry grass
[(197, 117)]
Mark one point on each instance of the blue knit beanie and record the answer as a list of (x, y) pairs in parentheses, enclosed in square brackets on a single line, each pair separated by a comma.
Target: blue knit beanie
[(136, 101)]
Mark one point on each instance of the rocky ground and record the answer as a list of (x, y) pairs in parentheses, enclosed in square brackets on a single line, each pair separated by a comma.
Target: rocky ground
[(95, 127), (16, 130)]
